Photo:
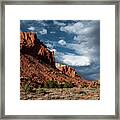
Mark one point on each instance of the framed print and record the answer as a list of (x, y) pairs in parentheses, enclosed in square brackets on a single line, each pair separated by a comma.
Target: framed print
[(60, 59)]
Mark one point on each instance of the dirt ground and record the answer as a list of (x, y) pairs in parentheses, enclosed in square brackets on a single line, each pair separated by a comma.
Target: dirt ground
[(61, 94)]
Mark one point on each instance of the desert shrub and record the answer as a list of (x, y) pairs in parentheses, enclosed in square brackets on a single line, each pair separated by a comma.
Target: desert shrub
[(51, 84), (84, 85), (28, 88), (83, 93), (60, 85), (41, 90), (67, 85), (28, 78), (55, 84)]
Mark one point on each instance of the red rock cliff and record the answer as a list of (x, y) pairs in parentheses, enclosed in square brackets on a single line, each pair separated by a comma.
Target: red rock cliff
[(67, 70), (29, 44)]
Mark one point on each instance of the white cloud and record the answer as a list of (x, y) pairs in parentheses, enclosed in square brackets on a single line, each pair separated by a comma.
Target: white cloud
[(52, 32), (49, 45), (79, 48), (54, 50), (84, 39), (59, 23), (31, 28), (74, 60), (80, 28), (74, 28), (61, 37), (62, 42), (83, 50), (41, 22), (43, 31)]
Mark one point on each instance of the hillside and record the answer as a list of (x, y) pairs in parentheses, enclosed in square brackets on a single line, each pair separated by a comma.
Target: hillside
[(39, 70)]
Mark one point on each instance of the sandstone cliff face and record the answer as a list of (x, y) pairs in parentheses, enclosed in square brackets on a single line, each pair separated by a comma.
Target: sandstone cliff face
[(31, 67), (29, 44), (67, 70), (27, 39), (37, 63)]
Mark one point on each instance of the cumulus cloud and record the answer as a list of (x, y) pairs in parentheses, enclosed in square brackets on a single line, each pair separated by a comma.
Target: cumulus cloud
[(43, 31), (85, 50), (62, 42), (61, 37), (79, 28), (41, 23), (49, 45), (52, 32), (54, 50), (85, 38), (74, 60), (78, 42), (74, 28), (31, 28), (80, 49), (58, 23)]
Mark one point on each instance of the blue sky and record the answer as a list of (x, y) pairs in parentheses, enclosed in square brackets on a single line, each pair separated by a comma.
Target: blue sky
[(75, 42)]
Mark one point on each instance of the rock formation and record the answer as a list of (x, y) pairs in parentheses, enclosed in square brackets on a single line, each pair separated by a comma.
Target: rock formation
[(27, 40), (66, 70), (29, 44), (37, 64)]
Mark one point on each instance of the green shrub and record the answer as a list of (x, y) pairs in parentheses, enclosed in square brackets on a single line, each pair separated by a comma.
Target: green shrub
[(29, 78), (51, 84), (83, 93), (55, 84), (28, 88), (68, 85), (41, 90)]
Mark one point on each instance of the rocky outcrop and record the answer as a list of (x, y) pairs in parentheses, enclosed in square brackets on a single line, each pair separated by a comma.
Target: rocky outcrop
[(67, 70), (29, 44), (27, 40), (37, 65), (37, 73)]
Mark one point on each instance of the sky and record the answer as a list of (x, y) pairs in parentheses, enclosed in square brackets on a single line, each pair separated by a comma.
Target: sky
[(75, 42)]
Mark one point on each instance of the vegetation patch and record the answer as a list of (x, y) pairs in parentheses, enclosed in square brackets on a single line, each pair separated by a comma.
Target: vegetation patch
[(41, 90), (55, 84)]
